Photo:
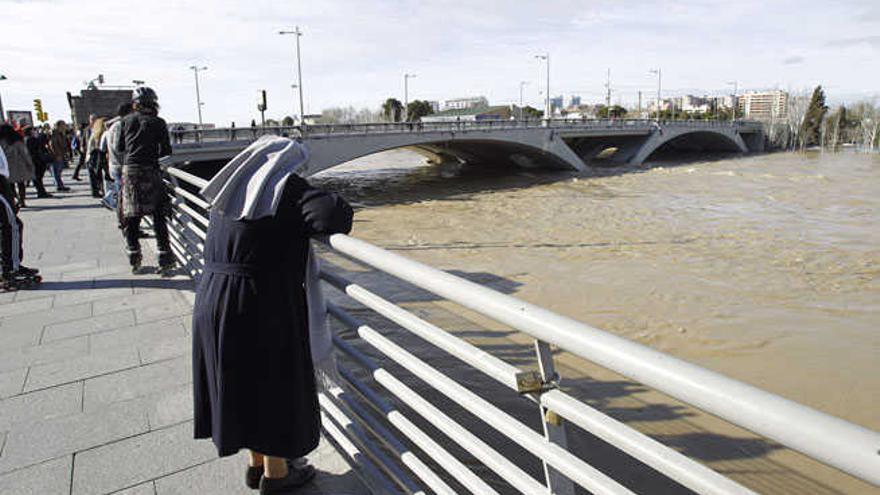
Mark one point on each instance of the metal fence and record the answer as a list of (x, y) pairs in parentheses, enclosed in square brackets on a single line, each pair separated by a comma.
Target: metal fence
[(394, 454), (196, 136)]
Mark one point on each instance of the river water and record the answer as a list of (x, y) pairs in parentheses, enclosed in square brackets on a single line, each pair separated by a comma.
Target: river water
[(763, 268)]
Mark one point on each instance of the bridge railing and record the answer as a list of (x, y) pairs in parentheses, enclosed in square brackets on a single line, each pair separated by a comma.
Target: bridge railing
[(322, 130), (395, 454)]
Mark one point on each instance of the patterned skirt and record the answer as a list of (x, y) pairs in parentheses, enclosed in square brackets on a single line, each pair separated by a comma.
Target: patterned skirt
[(143, 192)]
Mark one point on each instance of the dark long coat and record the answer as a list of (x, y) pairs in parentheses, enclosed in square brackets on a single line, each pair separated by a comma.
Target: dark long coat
[(253, 379)]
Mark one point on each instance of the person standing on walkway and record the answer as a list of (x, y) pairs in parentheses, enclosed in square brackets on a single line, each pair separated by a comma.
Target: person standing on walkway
[(21, 167), (82, 145), (143, 140), (97, 161), (13, 274), (109, 144), (258, 319), (36, 144), (58, 149)]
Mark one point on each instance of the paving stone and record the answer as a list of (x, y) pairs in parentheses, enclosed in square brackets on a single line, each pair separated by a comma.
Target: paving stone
[(136, 382), (41, 405), (85, 326), (16, 308), (144, 489), (91, 294), (48, 317), (68, 434), (135, 301), (51, 477), (169, 407), (138, 336), (88, 366), (90, 273), (135, 460), (166, 349), (12, 382), (12, 337), (42, 354), (161, 312)]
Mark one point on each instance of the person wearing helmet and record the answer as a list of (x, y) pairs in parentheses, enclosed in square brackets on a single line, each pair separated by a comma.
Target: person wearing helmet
[(143, 139)]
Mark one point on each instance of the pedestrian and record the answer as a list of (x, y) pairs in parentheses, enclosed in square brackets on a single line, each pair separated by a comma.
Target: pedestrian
[(178, 134), (258, 309), (109, 145), (82, 141), (97, 159), (254, 128), (13, 274), (36, 143), (143, 140), (232, 132), (21, 167), (57, 148)]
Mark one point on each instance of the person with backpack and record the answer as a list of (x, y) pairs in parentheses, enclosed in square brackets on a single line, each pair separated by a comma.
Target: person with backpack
[(144, 138)]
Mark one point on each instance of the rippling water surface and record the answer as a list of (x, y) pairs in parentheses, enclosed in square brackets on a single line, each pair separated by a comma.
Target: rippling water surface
[(763, 268)]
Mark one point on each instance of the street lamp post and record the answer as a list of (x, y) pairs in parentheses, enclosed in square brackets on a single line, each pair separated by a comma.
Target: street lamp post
[(521, 85), (659, 79), (196, 69), (733, 102), (299, 78), (547, 109), (406, 78), (294, 88), (2, 117)]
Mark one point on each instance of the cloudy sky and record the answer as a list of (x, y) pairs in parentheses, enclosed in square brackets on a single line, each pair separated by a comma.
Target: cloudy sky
[(355, 52)]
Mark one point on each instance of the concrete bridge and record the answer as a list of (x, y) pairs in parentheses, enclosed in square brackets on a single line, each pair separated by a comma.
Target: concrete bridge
[(573, 144)]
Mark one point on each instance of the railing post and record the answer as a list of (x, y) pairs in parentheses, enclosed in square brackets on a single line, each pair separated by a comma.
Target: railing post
[(554, 427)]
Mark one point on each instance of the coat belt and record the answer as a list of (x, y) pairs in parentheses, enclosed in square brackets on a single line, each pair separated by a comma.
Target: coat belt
[(239, 269)]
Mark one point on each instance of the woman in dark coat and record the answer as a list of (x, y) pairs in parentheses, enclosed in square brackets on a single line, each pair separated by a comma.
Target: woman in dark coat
[(254, 382)]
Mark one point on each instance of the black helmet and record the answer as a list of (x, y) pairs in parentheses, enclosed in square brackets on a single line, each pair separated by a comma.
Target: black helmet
[(145, 96)]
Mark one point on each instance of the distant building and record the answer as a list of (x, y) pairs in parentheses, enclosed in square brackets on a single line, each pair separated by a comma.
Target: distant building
[(435, 105), (100, 102), (693, 104), (763, 105), (556, 103), (469, 102), (574, 101), (473, 114), (724, 102)]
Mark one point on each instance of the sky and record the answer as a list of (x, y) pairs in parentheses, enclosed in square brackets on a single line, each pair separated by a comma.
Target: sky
[(355, 52)]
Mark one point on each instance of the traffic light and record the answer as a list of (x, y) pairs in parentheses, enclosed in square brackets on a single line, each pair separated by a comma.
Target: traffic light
[(38, 106)]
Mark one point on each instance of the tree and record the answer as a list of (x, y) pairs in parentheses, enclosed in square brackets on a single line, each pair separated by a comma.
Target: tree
[(417, 109), (287, 121), (812, 123), (615, 111), (392, 109), (530, 112)]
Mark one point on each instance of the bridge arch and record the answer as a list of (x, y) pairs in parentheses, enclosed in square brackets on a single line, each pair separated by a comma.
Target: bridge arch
[(521, 148), (721, 139)]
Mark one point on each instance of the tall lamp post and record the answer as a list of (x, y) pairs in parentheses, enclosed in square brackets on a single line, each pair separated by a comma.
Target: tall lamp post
[(294, 88), (522, 84), (196, 69), (659, 80), (2, 114), (547, 109), (733, 102), (406, 78), (299, 73)]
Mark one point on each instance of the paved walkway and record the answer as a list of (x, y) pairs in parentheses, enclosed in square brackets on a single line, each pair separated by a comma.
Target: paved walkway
[(95, 375)]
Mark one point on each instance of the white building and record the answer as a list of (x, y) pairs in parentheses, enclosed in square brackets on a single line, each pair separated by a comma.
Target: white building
[(763, 105), (463, 103)]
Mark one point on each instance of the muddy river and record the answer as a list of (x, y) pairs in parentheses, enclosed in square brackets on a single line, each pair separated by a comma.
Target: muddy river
[(764, 268)]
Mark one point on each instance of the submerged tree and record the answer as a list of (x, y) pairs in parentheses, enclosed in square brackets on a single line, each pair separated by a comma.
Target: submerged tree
[(811, 128)]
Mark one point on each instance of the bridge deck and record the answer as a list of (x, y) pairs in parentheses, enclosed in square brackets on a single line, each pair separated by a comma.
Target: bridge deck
[(95, 372)]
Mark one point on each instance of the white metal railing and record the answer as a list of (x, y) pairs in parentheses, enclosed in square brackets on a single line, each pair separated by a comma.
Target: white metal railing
[(360, 420)]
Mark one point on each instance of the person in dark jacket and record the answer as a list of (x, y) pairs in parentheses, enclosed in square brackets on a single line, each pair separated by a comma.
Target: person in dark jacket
[(143, 140), (36, 144), (254, 379)]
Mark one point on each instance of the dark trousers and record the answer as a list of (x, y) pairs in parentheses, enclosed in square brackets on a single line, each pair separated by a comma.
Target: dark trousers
[(79, 165), (40, 170), (11, 238), (96, 180), (131, 227)]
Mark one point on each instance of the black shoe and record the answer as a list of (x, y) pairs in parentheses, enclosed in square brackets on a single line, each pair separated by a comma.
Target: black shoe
[(296, 477), (27, 270), (45, 196), (63, 189), (254, 473), (135, 260)]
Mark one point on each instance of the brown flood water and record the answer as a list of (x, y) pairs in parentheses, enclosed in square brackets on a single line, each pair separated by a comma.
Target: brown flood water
[(763, 268)]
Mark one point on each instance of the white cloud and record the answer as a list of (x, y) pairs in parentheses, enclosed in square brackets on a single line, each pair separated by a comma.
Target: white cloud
[(355, 52)]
